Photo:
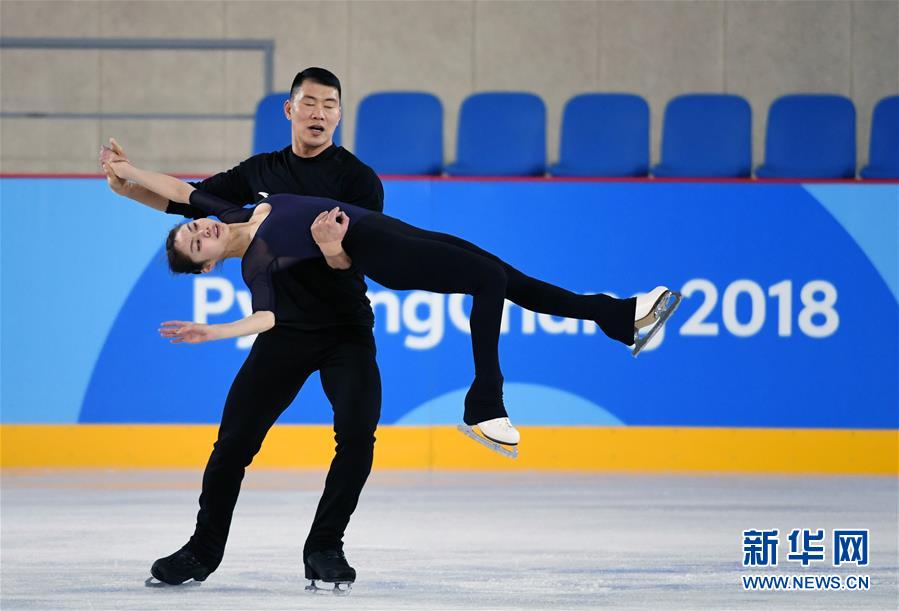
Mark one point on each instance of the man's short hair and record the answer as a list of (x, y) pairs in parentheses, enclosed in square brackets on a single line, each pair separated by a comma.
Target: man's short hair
[(316, 75)]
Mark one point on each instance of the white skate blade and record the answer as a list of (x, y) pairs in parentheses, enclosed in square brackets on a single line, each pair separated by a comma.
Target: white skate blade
[(152, 582), (665, 308), (341, 588), (509, 452)]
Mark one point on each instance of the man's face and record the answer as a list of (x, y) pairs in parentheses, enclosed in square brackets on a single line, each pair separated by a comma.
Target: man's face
[(314, 113)]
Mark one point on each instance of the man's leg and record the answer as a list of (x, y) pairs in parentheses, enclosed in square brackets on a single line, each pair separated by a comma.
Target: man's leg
[(265, 386), (352, 382)]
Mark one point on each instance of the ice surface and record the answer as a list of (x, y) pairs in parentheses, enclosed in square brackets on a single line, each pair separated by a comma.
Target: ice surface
[(439, 540)]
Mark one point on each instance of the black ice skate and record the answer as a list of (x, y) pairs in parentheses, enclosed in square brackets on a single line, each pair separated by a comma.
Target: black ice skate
[(653, 311), (176, 569), (330, 567)]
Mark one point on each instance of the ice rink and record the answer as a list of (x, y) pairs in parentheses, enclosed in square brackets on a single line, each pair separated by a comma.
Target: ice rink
[(438, 540)]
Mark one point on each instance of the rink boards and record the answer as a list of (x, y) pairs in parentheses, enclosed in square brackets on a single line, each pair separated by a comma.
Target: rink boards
[(783, 356)]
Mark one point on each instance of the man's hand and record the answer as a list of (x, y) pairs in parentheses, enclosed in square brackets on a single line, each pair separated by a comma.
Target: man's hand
[(179, 331), (328, 233)]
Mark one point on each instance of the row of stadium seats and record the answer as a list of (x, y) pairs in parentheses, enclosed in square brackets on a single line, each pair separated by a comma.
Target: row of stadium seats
[(607, 134)]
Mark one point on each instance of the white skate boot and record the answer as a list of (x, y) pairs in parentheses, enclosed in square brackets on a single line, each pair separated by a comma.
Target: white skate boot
[(652, 312), (501, 431), (497, 434)]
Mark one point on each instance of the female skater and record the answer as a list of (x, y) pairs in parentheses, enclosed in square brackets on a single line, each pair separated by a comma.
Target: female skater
[(286, 229)]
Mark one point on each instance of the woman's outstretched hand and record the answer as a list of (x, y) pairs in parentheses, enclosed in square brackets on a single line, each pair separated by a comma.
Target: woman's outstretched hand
[(179, 331), (112, 152), (118, 185), (109, 155)]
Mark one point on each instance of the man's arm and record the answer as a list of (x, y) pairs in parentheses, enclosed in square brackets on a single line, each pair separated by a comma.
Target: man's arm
[(339, 260), (364, 189), (183, 332), (328, 233)]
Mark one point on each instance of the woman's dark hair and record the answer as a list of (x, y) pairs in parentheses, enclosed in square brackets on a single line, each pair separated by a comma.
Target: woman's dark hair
[(316, 75), (179, 262)]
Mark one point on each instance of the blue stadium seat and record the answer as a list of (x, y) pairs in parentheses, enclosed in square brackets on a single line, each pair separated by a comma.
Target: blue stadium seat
[(401, 133), (271, 129), (604, 134), (883, 156), (501, 134), (706, 135), (810, 136)]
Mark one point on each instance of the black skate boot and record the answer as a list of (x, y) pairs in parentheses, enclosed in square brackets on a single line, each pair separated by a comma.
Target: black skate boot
[(330, 567), (178, 568)]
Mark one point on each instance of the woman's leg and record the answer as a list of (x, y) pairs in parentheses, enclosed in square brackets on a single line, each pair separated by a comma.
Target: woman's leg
[(389, 254), (614, 316)]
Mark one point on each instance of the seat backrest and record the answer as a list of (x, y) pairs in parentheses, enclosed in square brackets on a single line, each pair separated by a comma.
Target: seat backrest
[(884, 145), (707, 134), (604, 134), (501, 134), (810, 136), (400, 133), (271, 129)]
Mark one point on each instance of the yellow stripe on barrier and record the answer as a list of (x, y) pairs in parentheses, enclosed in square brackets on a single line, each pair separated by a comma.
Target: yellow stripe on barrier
[(644, 449)]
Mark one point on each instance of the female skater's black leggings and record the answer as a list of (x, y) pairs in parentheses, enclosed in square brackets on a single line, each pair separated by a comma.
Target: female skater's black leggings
[(401, 257)]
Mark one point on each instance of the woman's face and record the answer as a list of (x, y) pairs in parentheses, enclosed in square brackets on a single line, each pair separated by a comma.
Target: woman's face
[(203, 241)]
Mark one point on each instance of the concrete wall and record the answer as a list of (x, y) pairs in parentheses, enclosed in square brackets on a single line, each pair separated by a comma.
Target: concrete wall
[(758, 49)]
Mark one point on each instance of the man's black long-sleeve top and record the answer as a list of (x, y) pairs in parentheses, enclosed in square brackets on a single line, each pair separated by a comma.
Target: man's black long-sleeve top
[(311, 294)]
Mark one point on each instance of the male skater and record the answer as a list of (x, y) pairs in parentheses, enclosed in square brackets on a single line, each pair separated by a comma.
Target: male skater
[(329, 329)]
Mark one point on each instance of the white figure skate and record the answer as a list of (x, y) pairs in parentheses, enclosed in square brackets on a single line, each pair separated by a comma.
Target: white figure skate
[(497, 434), (653, 311)]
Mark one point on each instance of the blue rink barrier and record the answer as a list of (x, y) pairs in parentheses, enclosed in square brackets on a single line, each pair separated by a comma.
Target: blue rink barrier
[(789, 318)]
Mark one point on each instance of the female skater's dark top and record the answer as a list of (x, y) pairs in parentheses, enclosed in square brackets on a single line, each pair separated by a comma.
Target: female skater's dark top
[(282, 241), (311, 295)]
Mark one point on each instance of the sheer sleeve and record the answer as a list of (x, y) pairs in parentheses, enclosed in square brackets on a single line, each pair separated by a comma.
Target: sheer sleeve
[(231, 185), (212, 205), (262, 292)]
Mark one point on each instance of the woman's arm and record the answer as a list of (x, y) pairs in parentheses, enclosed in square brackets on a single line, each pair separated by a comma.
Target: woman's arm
[(133, 191), (179, 331), (170, 188), (114, 152), (230, 187), (161, 184)]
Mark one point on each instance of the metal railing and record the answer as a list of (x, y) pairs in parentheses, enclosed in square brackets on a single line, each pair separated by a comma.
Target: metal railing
[(266, 46)]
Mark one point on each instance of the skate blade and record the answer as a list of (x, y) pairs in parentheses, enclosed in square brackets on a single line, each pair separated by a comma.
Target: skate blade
[(665, 308), (152, 582), (507, 451), (341, 588)]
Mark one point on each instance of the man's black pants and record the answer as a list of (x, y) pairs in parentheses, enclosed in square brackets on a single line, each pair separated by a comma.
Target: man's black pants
[(279, 363)]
